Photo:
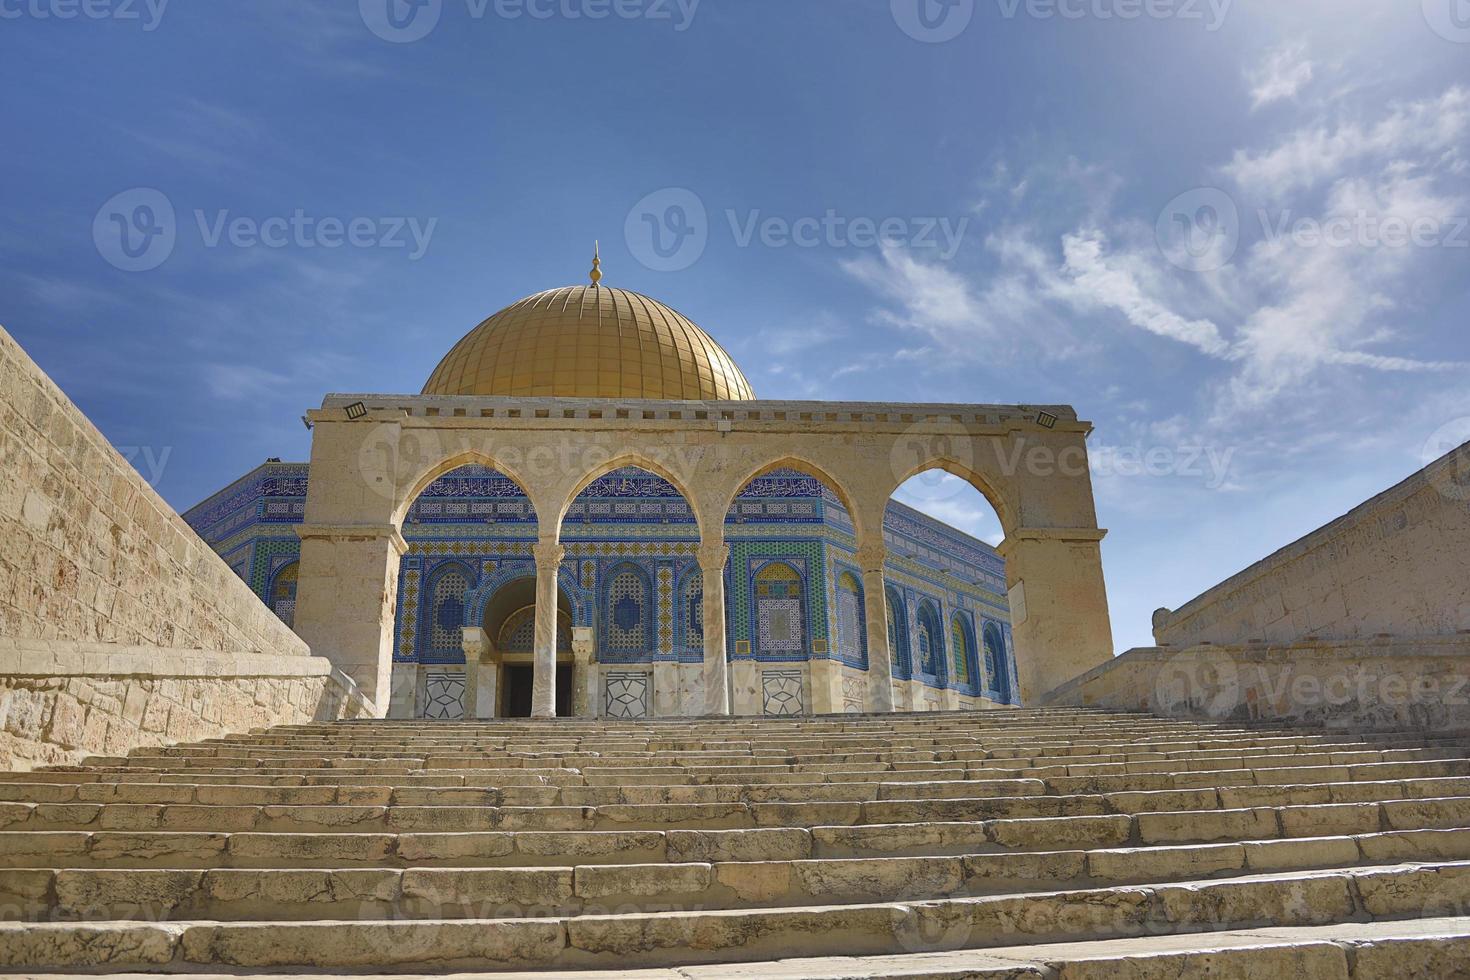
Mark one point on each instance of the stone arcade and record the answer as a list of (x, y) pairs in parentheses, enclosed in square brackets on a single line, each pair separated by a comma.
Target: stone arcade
[(566, 497)]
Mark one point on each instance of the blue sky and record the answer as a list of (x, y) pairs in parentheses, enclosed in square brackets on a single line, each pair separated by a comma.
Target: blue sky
[(1231, 234)]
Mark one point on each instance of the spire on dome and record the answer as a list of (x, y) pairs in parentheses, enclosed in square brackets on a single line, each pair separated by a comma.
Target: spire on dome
[(596, 263)]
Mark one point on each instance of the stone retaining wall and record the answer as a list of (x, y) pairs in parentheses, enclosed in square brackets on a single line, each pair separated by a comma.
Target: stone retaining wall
[(1395, 564), (62, 701), (1383, 683), (90, 553)]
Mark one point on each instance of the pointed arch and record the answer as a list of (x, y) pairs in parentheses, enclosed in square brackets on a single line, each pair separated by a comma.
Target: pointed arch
[(281, 591), (443, 598), (963, 652), (997, 664), (448, 465), (623, 461), (626, 614), (898, 633), (929, 637), (1003, 507), (800, 464), (852, 630)]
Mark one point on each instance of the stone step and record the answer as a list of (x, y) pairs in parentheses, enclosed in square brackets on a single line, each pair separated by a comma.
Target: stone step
[(1388, 950), (632, 940), (582, 889), (1432, 823), (1452, 777)]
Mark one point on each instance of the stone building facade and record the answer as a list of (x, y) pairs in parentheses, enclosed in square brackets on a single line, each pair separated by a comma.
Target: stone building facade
[(631, 586)]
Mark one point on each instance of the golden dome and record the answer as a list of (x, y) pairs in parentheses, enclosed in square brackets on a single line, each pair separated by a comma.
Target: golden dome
[(589, 342)]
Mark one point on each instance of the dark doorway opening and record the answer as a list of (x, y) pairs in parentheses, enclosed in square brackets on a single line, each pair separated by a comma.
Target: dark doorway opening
[(519, 681)]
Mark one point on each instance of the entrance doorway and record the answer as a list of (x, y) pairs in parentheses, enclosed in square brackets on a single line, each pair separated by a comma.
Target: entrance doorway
[(519, 681)]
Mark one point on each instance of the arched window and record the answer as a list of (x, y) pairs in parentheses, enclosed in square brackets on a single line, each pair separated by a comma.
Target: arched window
[(959, 644), (283, 593), (931, 640), (628, 618), (691, 607), (996, 666), (852, 639), (780, 623), (898, 632), (446, 609)]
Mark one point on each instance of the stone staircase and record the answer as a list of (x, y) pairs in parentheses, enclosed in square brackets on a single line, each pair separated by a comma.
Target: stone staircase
[(1031, 843)]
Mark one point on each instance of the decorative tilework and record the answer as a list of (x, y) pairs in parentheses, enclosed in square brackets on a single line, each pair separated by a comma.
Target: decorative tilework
[(852, 630), (854, 694)]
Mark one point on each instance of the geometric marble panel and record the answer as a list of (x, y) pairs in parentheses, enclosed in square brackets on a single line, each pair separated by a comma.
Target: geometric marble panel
[(626, 694), (781, 692), (444, 695)]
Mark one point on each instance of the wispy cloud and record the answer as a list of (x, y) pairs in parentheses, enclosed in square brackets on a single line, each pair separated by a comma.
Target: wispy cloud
[(1283, 74), (1428, 131)]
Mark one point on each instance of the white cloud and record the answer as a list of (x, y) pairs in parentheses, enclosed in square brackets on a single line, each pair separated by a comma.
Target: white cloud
[(1118, 288), (1284, 73), (1426, 131)]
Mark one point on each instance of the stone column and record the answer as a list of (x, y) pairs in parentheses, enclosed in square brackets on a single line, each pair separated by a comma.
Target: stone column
[(1059, 605), (584, 674), (346, 599), (713, 556), (870, 557), (476, 645), (548, 554)]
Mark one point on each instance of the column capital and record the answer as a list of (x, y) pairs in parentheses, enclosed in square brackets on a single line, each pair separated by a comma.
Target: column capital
[(353, 532), (1068, 535), (712, 557), (548, 554), (871, 558)]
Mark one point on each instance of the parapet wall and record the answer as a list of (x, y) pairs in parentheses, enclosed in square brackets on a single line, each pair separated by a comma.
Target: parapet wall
[(1359, 685), (90, 553), (61, 701), (1395, 565)]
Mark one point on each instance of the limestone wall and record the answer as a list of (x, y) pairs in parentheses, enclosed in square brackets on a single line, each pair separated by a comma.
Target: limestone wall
[(90, 553), (1362, 685), (1394, 565), (62, 701)]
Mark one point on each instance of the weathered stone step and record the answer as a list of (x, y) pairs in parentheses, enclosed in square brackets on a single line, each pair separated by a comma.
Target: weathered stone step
[(665, 938), (1359, 803), (1438, 818), (1452, 777), (1389, 950)]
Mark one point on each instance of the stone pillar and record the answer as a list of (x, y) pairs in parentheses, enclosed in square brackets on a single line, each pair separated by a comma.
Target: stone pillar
[(871, 557), (346, 598), (584, 674), (713, 556), (476, 645), (548, 554), (1059, 605)]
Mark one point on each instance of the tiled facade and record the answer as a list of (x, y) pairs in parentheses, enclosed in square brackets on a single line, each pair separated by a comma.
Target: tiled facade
[(793, 586)]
